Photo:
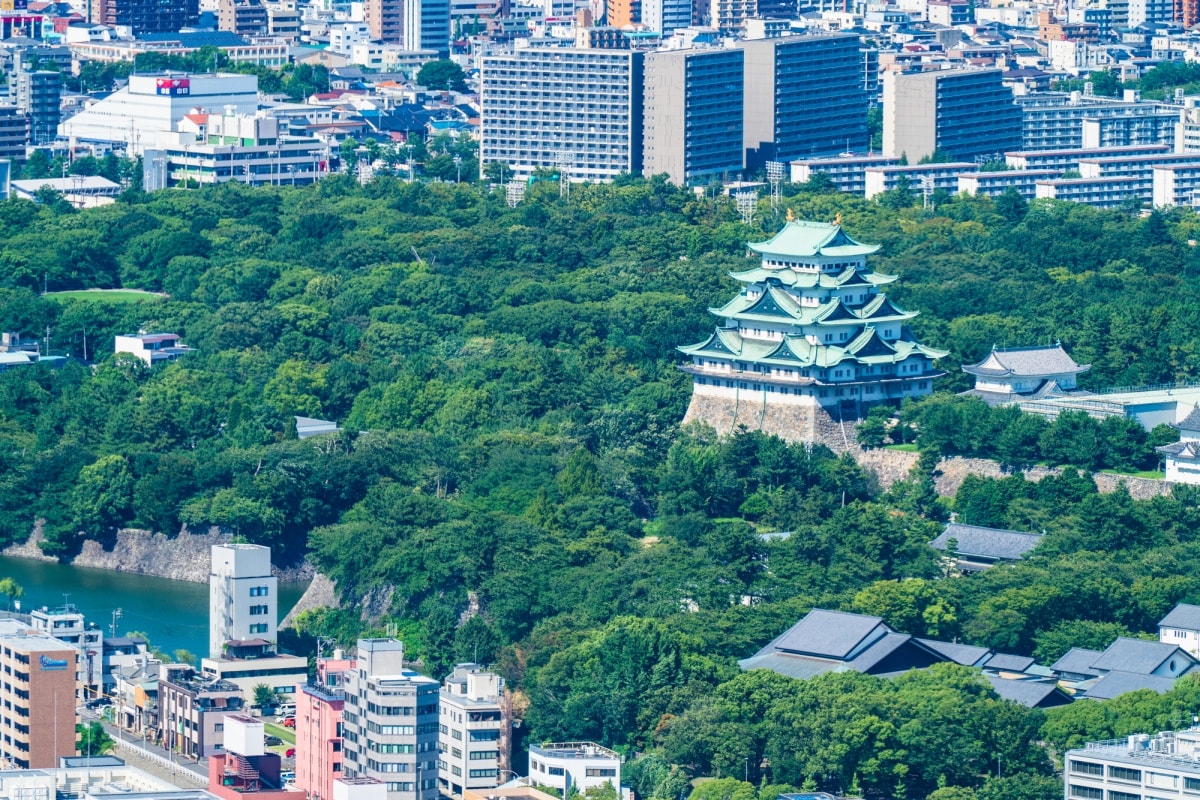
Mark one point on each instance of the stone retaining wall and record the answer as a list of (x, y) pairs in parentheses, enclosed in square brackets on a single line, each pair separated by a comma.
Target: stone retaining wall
[(792, 423)]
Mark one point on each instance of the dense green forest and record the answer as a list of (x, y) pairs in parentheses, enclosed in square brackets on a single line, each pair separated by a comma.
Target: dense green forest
[(507, 387)]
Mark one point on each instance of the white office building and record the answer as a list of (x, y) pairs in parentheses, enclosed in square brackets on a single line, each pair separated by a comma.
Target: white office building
[(243, 596), (130, 119), (666, 16), (390, 720), (585, 764), (585, 104), (475, 731), (1165, 766)]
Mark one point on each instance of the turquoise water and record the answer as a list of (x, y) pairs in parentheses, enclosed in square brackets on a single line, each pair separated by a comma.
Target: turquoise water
[(174, 614)]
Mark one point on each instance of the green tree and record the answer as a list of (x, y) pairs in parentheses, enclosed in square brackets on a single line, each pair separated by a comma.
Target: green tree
[(11, 590), (264, 696), (442, 74), (103, 496), (93, 739)]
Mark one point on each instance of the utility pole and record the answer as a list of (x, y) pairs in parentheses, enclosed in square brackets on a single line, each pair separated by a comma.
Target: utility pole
[(116, 615)]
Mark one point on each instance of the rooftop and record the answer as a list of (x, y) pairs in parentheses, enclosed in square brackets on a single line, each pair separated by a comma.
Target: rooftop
[(1027, 362), (573, 750), (991, 543), (1184, 615), (805, 238)]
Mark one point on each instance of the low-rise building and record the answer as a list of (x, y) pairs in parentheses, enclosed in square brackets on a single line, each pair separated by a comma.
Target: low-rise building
[(848, 173), (1166, 765), (1176, 185), (585, 764), (1096, 192), (943, 176), (245, 769), (1064, 160), (1013, 375), (1181, 626), (994, 184), (249, 663), (192, 710), (152, 348), (975, 548), (1183, 457)]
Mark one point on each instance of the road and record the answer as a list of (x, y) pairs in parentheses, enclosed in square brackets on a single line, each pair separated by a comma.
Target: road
[(150, 757)]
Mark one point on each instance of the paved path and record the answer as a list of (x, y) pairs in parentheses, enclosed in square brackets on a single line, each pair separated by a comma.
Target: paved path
[(151, 757)]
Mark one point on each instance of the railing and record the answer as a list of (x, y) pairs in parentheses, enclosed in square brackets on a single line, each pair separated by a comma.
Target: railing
[(157, 760)]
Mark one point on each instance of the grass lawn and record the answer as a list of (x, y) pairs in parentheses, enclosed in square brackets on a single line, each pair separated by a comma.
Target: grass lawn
[(107, 296), (1151, 474), (287, 734), (907, 448)]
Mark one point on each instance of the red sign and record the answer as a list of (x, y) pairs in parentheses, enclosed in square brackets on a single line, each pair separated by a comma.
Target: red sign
[(174, 87)]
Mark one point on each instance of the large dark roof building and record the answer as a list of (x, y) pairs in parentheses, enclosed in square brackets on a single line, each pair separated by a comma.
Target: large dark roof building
[(976, 548)]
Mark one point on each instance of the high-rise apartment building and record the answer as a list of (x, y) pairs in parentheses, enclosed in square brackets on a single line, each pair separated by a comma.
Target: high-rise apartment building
[(38, 94), (961, 113), (689, 131), (427, 26), (666, 16), (540, 102), (320, 743), (243, 596), (804, 97), (729, 16), (146, 16), (37, 695), (390, 722), (475, 733), (385, 19), (620, 13)]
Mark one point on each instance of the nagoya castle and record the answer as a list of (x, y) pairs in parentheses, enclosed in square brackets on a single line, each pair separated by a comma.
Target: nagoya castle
[(808, 344)]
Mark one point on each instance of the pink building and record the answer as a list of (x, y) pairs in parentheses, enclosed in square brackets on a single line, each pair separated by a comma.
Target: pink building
[(244, 767), (319, 728)]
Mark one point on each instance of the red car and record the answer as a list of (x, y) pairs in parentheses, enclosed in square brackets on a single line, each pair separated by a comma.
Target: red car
[(291, 753), (290, 722)]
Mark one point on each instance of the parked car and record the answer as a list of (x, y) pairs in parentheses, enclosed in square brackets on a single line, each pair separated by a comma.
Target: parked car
[(291, 753), (289, 722), (272, 741)]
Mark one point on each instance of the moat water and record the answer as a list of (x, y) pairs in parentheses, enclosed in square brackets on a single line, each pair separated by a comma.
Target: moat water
[(173, 614)]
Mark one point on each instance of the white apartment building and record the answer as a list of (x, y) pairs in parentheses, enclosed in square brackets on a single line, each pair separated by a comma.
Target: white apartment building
[(474, 731), (390, 720), (994, 184), (1097, 192), (848, 173), (585, 764), (538, 102), (1177, 185), (131, 118), (944, 176), (243, 596), (1165, 766)]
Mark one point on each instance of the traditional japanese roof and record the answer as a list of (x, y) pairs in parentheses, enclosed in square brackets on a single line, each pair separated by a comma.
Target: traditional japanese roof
[(831, 634), (992, 543), (801, 238), (967, 655), (1181, 450), (1006, 662), (1138, 656), (1117, 683), (1184, 615), (776, 304), (1031, 694), (1189, 423), (866, 346), (1029, 362), (852, 276), (1077, 661)]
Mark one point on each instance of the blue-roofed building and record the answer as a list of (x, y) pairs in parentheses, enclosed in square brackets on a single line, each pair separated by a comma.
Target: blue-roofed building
[(1181, 626)]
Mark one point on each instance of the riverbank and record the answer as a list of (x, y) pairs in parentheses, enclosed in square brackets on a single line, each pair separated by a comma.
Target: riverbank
[(185, 557)]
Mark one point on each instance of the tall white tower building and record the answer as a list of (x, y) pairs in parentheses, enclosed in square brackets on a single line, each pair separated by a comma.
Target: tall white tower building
[(242, 596)]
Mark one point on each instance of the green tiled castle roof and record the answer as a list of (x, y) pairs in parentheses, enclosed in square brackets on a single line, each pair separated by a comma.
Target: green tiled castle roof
[(801, 238)]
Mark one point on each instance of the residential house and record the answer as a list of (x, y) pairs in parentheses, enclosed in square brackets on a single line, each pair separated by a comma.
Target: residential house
[(1181, 627)]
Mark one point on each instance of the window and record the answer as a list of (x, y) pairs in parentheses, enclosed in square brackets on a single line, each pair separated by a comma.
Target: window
[(484, 755), (399, 787), (259, 591), (489, 773), (1086, 768), (555, 770), (1086, 792), (260, 627), (485, 736), (1191, 784), (1124, 773), (258, 611), (1123, 796), (601, 772)]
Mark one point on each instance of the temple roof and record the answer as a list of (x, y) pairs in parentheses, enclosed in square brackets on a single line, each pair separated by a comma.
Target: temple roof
[(1028, 362), (851, 276), (1189, 423), (801, 238)]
